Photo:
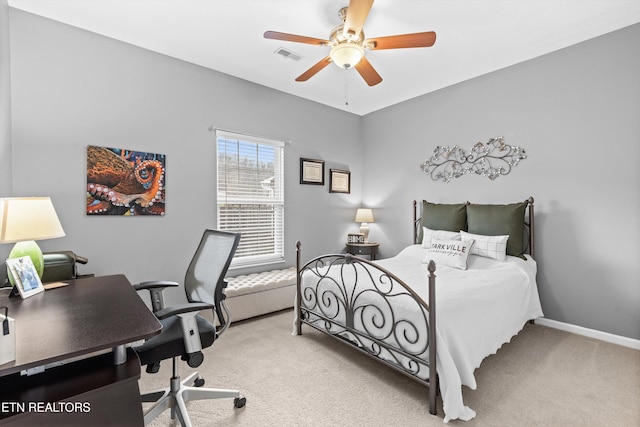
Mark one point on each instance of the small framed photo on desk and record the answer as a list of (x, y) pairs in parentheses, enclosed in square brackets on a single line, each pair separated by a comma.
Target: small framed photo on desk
[(25, 276)]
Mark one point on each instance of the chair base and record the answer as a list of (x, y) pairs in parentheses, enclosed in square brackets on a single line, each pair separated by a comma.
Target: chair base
[(179, 393)]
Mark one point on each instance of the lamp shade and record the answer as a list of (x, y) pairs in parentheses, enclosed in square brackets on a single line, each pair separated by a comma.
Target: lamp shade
[(364, 215), (28, 218)]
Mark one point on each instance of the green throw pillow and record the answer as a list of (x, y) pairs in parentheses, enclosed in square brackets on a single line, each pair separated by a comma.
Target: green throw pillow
[(497, 220), (449, 217)]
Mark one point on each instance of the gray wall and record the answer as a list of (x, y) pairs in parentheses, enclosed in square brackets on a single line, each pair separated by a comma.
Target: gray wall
[(576, 112), (5, 101), (72, 88)]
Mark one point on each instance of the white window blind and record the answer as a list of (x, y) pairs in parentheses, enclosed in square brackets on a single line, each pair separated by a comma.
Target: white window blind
[(251, 195)]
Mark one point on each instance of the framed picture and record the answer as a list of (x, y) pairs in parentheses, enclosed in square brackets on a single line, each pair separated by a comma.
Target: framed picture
[(125, 182), (339, 181), (25, 277), (311, 171)]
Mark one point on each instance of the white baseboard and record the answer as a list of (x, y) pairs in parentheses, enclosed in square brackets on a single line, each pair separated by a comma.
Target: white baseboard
[(591, 333)]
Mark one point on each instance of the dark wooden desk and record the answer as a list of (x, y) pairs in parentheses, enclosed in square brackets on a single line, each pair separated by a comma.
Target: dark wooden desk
[(84, 322)]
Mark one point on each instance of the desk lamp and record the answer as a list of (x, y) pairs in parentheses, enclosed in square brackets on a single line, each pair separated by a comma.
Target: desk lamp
[(364, 216), (23, 220)]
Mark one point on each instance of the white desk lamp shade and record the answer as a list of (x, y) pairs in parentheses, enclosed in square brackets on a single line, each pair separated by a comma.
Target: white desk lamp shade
[(364, 216), (23, 220)]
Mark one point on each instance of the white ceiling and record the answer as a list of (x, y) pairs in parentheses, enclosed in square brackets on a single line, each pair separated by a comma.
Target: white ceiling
[(474, 37)]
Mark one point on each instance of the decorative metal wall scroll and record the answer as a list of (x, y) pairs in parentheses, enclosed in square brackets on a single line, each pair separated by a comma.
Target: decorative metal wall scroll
[(490, 159)]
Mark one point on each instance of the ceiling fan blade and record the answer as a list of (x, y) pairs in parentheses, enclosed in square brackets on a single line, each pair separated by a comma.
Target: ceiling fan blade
[(314, 70), (368, 73), (294, 38), (357, 13), (426, 39)]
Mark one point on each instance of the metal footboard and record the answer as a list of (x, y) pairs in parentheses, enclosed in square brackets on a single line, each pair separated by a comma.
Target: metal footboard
[(369, 308)]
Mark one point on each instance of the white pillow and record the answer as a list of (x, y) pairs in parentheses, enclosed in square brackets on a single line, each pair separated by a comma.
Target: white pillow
[(452, 253), (428, 235), (488, 246)]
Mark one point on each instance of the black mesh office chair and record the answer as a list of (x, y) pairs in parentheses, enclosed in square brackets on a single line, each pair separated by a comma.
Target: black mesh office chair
[(184, 332)]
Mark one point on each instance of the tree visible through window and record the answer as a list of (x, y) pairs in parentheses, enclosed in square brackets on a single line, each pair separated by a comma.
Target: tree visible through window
[(250, 198)]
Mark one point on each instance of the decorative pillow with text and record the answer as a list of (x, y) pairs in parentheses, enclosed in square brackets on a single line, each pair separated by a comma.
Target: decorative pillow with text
[(428, 235), (452, 253)]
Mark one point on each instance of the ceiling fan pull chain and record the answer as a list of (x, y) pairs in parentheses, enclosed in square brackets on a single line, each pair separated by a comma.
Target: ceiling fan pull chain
[(346, 89)]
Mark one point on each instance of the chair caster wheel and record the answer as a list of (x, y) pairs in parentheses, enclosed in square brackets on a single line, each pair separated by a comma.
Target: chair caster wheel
[(239, 402), (199, 382)]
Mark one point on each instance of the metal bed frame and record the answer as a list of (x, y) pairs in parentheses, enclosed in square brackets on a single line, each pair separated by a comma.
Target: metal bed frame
[(360, 307), (344, 310)]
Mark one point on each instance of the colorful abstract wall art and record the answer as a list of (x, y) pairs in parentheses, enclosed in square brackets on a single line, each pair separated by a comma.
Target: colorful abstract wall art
[(125, 182)]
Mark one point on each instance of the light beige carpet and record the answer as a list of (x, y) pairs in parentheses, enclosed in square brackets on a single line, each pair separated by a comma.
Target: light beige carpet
[(544, 377)]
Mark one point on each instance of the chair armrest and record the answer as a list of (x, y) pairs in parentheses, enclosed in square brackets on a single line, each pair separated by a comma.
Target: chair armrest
[(190, 333), (155, 288), (183, 308), (155, 284)]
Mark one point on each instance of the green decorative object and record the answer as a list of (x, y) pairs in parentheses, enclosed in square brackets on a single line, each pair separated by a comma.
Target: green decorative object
[(31, 249)]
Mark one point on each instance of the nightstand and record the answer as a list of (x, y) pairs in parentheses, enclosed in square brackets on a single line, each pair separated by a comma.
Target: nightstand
[(360, 249)]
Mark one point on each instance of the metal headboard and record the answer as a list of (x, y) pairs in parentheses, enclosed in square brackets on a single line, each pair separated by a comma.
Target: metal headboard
[(528, 222)]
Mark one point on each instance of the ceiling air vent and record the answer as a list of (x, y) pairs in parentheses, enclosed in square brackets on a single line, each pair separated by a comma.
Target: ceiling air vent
[(286, 53)]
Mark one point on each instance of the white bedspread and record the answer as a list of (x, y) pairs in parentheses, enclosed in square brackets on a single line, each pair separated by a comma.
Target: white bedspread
[(478, 310)]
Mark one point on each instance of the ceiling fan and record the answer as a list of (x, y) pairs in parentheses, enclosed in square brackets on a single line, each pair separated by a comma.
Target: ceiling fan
[(348, 44)]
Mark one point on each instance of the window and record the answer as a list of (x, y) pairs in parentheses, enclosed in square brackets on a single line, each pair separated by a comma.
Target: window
[(251, 196)]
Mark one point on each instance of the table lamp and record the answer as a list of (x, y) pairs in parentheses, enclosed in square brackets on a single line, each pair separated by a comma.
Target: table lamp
[(23, 220), (364, 216)]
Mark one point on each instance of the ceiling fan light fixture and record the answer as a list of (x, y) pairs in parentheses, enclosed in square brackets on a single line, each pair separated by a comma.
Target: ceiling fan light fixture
[(347, 43), (346, 55)]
